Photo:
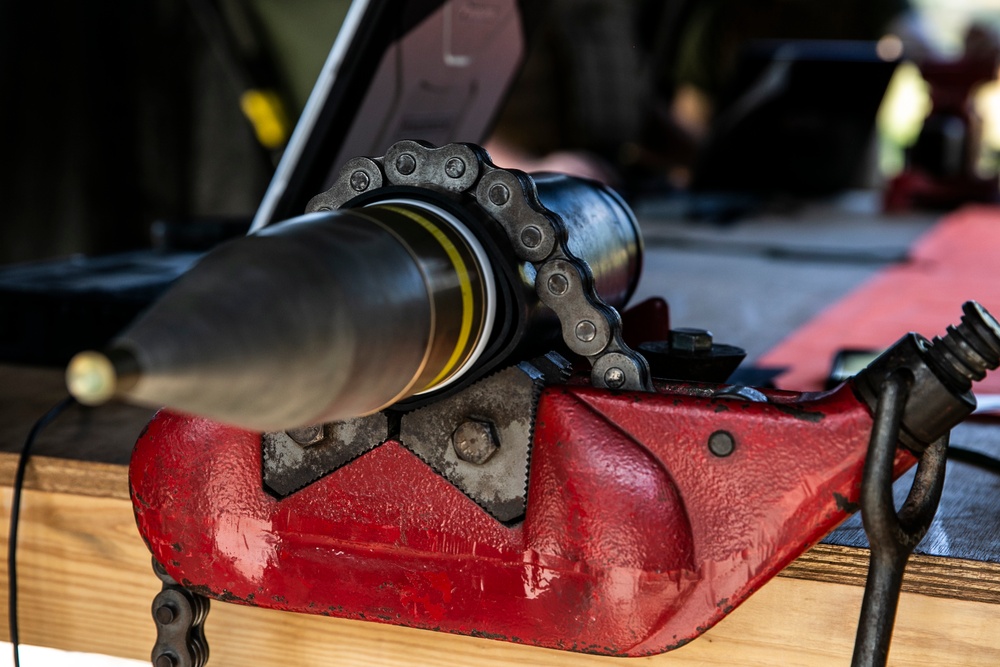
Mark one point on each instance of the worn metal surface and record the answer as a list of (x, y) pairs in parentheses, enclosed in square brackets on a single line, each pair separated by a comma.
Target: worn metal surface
[(289, 465), (505, 403), (341, 313), (892, 536)]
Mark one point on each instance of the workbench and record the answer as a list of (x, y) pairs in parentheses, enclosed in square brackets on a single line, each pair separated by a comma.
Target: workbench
[(86, 583)]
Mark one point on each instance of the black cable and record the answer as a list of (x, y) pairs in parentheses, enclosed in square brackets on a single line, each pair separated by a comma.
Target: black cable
[(15, 511), (975, 458)]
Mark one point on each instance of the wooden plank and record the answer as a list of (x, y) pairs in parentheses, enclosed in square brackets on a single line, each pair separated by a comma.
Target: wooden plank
[(47, 473), (927, 575), (86, 586)]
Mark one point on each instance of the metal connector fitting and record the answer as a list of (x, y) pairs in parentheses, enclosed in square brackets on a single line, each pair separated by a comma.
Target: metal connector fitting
[(943, 371)]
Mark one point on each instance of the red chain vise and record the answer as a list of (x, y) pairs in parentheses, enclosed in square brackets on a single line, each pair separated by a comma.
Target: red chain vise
[(410, 450)]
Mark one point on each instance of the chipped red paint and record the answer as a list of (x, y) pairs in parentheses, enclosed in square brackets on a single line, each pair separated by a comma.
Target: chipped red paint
[(636, 538)]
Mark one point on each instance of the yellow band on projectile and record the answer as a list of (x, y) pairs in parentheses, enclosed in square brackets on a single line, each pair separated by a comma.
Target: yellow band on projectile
[(464, 283)]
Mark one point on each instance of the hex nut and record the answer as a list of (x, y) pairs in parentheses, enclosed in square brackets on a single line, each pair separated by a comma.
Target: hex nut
[(691, 340), (475, 441)]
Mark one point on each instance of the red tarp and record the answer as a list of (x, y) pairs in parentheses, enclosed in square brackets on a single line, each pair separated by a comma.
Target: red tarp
[(957, 260)]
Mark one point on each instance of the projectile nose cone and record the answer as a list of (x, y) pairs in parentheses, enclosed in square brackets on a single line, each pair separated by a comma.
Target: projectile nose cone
[(91, 378), (94, 378)]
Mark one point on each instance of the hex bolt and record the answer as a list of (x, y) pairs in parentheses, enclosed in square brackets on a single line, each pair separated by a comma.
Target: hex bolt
[(586, 331), (614, 377), (474, 441), (306, 435), (499, 194), (165, 614), (721, 444), (690, 340), (455, 167), (406, 164), (558, 284), (360, 181), (165, 660), (531, 237)]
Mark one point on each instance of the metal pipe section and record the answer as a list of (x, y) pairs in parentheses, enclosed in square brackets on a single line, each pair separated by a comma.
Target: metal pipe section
[(601, 229)]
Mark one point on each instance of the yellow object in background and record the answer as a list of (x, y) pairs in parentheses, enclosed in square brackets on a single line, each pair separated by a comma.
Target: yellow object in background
[(265, 112), (906, 103)]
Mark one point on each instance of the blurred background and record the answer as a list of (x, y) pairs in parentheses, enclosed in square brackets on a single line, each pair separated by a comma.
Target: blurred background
[(118, 115)]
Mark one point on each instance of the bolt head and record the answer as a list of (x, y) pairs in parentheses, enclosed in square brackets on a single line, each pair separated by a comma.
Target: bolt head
[(455, 168), (531, 237), (691, 340), (586, 331), (558, 284), (475, 441), (721, 443), (614, 377), (360, 181), (499, 194), (306, 435), (165, 614), (406, 164)]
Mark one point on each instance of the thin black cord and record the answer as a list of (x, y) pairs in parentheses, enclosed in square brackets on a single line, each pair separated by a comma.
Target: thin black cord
[(975, 458), (15, 511)]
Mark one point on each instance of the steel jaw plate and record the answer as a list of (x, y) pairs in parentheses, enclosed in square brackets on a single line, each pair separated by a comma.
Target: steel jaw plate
[(501, 405), (504, 405), (289, 466)]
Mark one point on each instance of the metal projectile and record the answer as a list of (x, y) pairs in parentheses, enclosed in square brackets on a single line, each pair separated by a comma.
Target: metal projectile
[(322, 318)]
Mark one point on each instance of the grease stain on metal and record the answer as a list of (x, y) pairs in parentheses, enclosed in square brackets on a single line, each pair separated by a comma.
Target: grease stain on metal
[(800, 413)]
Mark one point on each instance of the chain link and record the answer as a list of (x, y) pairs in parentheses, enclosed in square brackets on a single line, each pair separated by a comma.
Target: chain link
[(179, 616), (564, 282)]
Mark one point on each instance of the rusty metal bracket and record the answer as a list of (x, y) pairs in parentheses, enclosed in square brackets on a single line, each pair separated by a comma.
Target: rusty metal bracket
[(892, 535)]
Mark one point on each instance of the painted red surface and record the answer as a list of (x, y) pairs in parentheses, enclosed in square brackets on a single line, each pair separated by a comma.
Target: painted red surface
[(636, 538)]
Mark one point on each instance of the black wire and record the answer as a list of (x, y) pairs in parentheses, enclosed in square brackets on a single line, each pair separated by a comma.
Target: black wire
[(975, 458), (15, 511)]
